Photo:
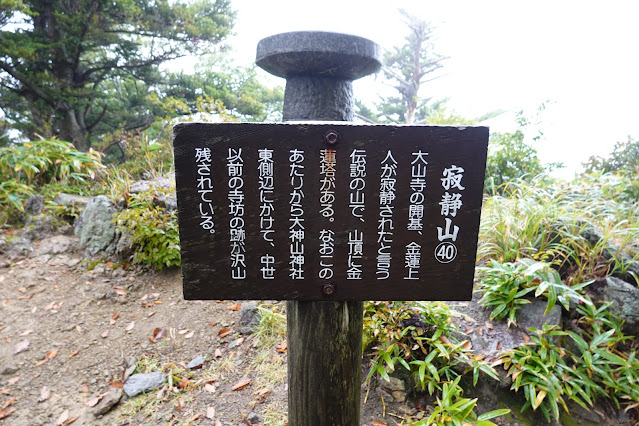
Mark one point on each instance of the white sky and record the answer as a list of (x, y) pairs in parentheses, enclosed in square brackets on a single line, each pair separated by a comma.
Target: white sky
[(583, 56)]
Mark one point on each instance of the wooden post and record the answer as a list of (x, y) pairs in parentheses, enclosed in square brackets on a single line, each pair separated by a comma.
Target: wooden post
[(324, 338)]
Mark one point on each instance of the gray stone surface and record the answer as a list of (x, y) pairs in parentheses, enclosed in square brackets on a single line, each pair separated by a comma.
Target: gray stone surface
[(94, 227), (163, 189), (624, 298), (319, 68), (71, 200), (196, 362), (492, 337), (249, 317), (139, 383), (110, 400), (333, 55), (35, 205)]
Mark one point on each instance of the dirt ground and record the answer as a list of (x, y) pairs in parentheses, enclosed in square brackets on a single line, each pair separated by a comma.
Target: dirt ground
[(70, 327)]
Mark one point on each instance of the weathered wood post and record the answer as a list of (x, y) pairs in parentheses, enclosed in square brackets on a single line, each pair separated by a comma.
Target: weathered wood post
[(324, 338)]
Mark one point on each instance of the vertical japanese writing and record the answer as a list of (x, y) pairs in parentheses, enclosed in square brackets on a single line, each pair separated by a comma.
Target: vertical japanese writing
[(416, 213), (266, 188), (328, 164), (205, 188), (237, 235), (355, 253), (357, 183), (296, 220), (385, 222), (450, 203)]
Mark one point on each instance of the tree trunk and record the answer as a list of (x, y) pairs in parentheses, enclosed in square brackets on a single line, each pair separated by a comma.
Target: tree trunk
[(70, 130)]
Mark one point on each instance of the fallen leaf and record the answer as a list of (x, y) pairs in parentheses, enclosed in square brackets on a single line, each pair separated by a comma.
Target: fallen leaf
[(21, 347), (210, 413), (93, 402), (150, 314), (117, 384), (84, 388), (188, 336), (489, 325), (143, 298), (44, 394), (105, 334), (218, 423), (158, 333), (184, 331), (378, 423), (209, 388), (467, 345), (155, 295), (4, 391), (212, 323), (63, 418), (71, 420), (445, 340), (72, 354), (8, 402), (6, 413), (498, 345), (50, 355), (181, 404), (195, 417), (183, 384), (13, 380), (26, 333), (218, 353), (224, 332), (235, 307), (281, 348), (244, 382), (78, 329), (119, 290), (22, 290), (525, 337), (159, 302), (130, 326)]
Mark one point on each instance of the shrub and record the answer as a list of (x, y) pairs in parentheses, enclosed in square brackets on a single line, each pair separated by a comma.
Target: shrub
[(153, 231)]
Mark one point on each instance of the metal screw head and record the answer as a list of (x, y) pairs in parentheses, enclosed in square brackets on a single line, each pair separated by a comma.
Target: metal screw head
[(332, 137), (328, 289)]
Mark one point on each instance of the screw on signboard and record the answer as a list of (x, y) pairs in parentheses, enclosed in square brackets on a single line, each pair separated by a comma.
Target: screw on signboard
[(332, 138), (324, 338), (328, 289)]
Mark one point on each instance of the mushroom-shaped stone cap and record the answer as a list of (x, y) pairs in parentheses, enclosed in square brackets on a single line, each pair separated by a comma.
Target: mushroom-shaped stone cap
[(318, 53)]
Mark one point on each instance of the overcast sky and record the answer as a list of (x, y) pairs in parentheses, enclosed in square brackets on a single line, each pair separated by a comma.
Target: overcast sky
[(582, 56)]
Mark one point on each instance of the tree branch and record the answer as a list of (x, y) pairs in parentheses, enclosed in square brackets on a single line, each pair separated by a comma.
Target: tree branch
[(30, 84)]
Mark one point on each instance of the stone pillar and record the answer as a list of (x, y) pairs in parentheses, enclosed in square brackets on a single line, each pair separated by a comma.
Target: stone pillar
[(324, 338)]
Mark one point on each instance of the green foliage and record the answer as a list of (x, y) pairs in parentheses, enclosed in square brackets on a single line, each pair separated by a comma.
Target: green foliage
[(509, 158), (507, 287), (453, 409), (59, 75), (624, 159), (12, 197), (44, 161), (153, 231), (421, 338)]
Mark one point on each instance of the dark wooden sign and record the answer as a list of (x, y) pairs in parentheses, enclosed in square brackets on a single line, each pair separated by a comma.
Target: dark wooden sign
[(328, 211)]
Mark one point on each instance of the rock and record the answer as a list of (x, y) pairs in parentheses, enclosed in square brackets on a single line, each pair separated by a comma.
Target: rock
[(8, 370), (395, 388), (196, 362), (35, 205), (254, 418), (162, 189), (139, 383), (249, 318), (71, 200), (109, 401), (130, 364), (94, 226), (501, 338), (624, 298), (55, 245)]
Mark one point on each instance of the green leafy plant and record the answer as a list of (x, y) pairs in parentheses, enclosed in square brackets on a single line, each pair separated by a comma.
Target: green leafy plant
[(421, 338), (506, 287), (43, 161), (153, 231), (12, 196), (453, 409)]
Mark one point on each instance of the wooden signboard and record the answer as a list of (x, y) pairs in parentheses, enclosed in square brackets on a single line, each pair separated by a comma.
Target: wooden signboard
[(305, 211)]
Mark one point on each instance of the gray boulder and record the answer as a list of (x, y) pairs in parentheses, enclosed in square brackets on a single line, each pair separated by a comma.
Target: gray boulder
[(71, 200), (35, 205), (162, 188), (624, 298), (249, 318), (94, 227), (139, 383), (492, 337)]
